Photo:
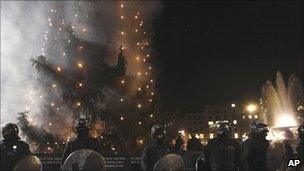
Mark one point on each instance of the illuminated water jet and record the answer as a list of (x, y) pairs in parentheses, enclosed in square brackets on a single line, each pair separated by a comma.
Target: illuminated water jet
[(279, 102)]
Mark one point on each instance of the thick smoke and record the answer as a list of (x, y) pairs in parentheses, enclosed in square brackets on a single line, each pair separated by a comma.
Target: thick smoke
[(23, 24)]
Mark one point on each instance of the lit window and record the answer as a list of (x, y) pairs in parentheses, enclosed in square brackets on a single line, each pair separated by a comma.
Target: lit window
[(201, 136), (211, 135), (236, 135), (234, 122)]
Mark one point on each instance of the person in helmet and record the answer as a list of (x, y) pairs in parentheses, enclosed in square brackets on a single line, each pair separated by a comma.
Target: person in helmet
[(223, 152), (156, 149), (82, 141), (300, 147), (13, 149), (255, 148)]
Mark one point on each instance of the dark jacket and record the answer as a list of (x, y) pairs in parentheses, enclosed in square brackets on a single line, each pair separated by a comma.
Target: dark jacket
[(83, 142), (151, 154), (300, 151), (223, 154), (12, 151), (255, 154)]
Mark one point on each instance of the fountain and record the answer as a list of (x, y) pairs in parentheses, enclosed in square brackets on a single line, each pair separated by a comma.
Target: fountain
[(279, 109), (279, 102)]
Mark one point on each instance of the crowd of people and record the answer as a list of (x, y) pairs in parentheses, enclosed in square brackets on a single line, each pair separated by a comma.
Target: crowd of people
[(221, 153)]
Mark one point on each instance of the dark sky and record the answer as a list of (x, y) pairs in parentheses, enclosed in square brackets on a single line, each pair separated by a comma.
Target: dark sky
[(223, 52)]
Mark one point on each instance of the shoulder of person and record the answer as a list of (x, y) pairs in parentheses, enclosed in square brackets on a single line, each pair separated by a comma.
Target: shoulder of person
[(23, 143)]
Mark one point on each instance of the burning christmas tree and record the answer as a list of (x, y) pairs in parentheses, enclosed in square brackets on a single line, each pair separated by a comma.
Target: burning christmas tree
[(76, 80)]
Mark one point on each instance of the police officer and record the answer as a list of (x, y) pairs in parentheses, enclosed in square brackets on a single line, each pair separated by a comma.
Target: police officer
[(193, 144), (156, 149), (255, 148), (223, 153), (12, 148), (83, 140), (300, 147)]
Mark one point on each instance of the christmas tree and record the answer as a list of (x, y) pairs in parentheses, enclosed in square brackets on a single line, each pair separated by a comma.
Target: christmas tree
[(120, 100)]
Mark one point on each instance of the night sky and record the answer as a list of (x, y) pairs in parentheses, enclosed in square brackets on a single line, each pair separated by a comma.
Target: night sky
[(223, 52)]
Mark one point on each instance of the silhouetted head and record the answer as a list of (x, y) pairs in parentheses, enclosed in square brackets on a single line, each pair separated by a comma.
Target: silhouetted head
[(82, 126), (301, 132), (158, 133), (223, 129), (259, 129), (10, 131)]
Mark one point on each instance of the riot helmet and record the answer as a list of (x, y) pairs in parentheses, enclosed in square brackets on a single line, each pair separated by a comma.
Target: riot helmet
[(223, 128), (82, 126), (158, 132), (10, 130), (259, 129)]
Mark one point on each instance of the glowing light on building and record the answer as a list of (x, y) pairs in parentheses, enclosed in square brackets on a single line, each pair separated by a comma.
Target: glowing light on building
[(211, 135), (234, 122), (233, 105), (236, 135), (182, 132), (210, 123)]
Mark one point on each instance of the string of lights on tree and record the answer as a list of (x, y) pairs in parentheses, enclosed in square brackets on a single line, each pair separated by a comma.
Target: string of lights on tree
[(145, 93)]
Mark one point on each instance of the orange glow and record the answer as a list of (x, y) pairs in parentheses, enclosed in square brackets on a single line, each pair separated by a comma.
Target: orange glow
[(80, 65)]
